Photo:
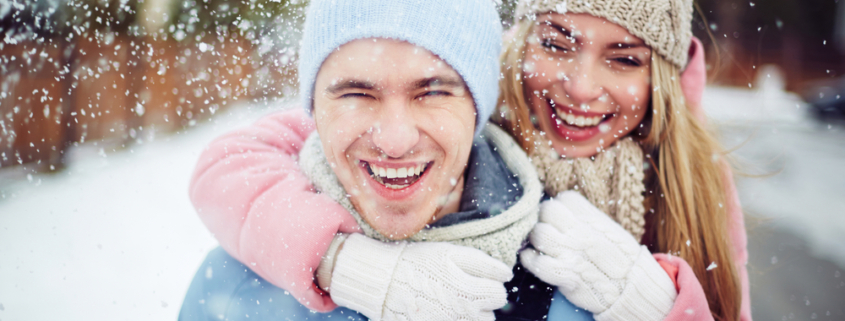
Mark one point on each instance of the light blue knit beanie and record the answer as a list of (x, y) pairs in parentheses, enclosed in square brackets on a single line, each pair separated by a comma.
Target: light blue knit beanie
[(466, 34)]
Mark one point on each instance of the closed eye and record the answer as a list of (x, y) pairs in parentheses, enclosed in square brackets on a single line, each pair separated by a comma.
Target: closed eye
[(355, 95), (627, 61), (435, 93), (546, 43)]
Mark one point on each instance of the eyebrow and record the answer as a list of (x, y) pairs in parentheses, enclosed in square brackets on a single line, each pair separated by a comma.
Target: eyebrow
[(560, 29), (350, 84), (439, 81), (567, 34), (625, 45)]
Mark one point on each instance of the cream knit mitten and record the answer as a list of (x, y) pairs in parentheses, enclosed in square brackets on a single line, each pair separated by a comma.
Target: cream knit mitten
[(418, 280), (595, 263)]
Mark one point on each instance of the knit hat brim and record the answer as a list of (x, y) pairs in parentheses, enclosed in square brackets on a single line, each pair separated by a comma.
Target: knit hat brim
[(465, 34), (664, 25)]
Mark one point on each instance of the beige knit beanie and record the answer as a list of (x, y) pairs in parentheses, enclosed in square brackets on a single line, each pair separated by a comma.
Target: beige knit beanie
[(664, 25)]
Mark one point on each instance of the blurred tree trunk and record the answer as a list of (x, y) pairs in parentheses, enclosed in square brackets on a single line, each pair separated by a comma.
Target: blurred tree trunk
[(792, 54), (729, 15), (68, 122), (839, 29), (135, 83)]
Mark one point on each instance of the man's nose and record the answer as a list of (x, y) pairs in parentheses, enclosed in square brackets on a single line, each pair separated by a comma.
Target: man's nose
[(582, 86), (396, 132)]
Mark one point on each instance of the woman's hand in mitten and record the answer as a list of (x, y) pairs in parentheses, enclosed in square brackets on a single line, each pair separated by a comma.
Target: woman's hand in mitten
[(595, 263), (418, 281)]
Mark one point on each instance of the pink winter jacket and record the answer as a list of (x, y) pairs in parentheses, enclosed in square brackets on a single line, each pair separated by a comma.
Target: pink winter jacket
[(249, 191)]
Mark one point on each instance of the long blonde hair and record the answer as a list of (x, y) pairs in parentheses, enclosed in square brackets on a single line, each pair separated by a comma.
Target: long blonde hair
[(685, 192)]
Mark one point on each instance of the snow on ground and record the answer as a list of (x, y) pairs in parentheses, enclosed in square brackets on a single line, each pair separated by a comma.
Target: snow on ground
[(112, 237), (802, 159), (766, 104)]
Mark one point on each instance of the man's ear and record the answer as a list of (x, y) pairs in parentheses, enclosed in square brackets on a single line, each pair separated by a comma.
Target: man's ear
[(694, 79)]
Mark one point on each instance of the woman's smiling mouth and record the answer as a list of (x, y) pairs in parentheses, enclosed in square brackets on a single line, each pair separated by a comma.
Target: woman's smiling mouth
[(577, 125)]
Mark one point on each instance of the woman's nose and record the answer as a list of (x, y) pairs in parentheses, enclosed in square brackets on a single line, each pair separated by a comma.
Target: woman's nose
[(581, 84)]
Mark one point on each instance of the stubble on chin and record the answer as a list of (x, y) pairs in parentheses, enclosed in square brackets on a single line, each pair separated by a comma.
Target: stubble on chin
[(397, 222)]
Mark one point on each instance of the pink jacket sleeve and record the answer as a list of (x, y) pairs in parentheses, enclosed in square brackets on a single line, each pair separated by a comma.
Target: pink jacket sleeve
[(691, 303), (736, 228), (249, 191)]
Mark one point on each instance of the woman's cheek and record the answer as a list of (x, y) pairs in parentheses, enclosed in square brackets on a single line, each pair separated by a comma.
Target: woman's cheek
[(536, 70), (631, 93)]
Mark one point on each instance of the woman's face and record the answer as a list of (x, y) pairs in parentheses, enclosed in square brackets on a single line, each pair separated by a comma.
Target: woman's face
[(587, 81)]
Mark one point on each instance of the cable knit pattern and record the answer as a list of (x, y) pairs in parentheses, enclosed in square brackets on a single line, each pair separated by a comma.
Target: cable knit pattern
[(500, 236), (418, 280), (612, 180), (651, 294), (596, 264), (664, 25), (362, 278)]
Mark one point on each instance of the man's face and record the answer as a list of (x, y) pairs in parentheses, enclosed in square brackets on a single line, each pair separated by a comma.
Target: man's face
[(396, 123)]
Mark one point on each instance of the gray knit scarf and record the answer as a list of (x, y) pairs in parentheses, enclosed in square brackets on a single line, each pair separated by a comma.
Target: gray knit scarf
[(612, 180), (500, 236)]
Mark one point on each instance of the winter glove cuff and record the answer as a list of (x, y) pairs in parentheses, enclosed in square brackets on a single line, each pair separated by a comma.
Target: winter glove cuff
[(324, 271), (362, 274), (648, 295)]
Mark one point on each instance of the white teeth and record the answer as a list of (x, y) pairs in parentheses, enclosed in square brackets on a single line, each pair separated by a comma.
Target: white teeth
[(579, 121), (405, 172)]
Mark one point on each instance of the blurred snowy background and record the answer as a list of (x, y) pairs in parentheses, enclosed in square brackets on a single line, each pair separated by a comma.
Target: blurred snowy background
[(105, 106)]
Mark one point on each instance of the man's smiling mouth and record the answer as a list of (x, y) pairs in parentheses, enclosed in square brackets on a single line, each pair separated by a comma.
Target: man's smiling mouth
[(396, 177)]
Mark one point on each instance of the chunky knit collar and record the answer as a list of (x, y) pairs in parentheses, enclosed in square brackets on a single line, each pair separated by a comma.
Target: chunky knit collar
[(612, 179), (501, 236), (489, 186)]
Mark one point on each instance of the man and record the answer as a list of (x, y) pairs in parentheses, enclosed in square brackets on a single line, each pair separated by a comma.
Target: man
[(400, 92)]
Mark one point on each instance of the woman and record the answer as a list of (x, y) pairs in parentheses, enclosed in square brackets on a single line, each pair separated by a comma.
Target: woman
[(592, 86)]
